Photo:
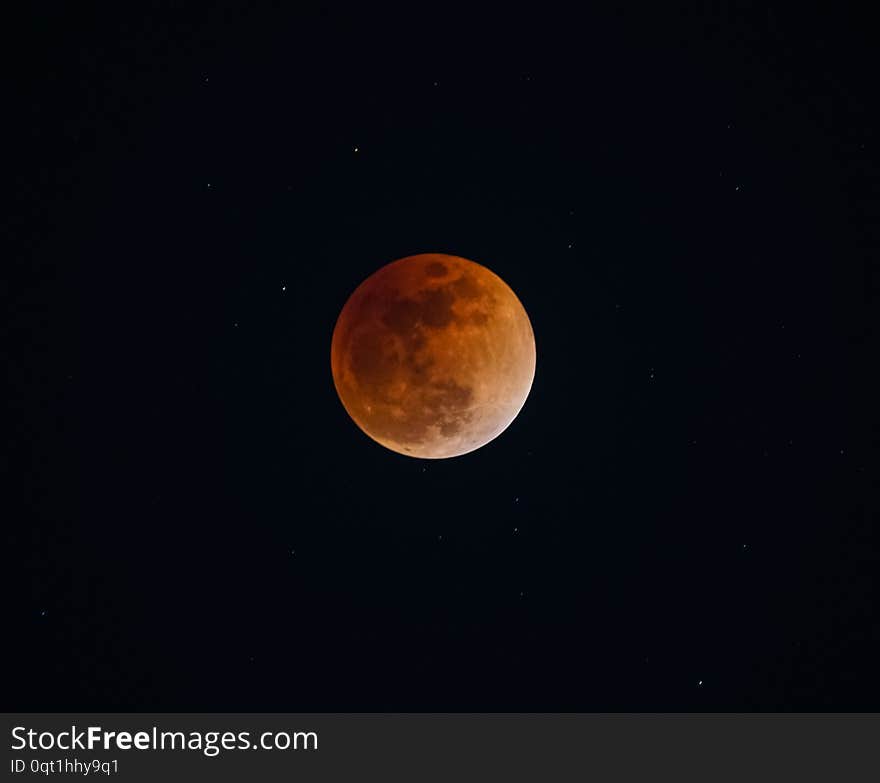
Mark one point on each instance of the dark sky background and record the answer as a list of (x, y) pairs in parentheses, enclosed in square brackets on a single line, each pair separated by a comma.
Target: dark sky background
[(683, 516)]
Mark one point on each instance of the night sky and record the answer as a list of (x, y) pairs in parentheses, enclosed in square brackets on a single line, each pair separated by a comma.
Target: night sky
[(682, 517)]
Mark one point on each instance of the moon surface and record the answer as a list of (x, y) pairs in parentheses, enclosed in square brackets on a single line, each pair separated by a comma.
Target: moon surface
[(433, 356)]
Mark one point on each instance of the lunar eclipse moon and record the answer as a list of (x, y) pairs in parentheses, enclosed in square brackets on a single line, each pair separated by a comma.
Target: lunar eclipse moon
[(433, 356)]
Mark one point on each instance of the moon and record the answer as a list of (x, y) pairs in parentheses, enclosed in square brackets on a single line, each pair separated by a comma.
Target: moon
[(433, 356)]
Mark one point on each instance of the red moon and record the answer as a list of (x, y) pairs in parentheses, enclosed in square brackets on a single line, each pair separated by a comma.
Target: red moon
[(433, 356)]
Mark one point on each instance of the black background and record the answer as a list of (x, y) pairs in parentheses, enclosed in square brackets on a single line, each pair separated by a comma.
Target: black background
[(681, 518)]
